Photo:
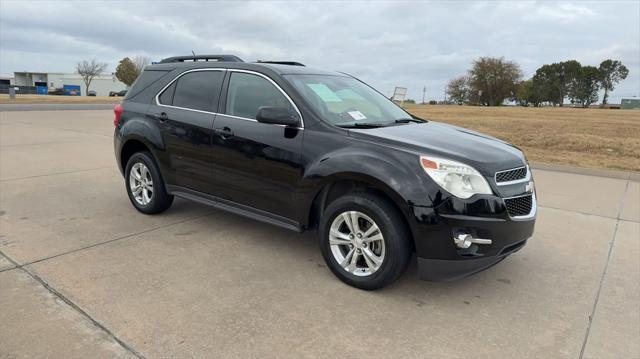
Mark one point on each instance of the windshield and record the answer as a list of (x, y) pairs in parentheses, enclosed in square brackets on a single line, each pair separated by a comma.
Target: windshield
[(347, 102)]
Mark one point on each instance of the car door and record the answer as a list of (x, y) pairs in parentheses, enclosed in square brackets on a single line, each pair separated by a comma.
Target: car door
[(255, 164), (185, 110)]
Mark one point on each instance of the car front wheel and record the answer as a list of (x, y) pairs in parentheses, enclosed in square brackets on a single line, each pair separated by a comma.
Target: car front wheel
[(364, 240)]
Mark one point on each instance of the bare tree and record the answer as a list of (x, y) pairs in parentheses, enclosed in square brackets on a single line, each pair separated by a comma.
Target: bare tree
[(88, 70)]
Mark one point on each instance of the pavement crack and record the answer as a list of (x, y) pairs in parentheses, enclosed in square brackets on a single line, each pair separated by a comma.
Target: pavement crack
[(69, 302), (574, 211), (588, 214), (64, 129), (13, 263), (74, 306), (54, 174), (115, 239), (604, 273)]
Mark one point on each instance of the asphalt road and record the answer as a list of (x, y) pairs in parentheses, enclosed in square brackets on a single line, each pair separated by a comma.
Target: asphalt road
[(82, 274)]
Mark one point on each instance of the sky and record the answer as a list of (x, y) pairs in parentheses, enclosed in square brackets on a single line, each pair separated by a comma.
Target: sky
[(386, 44)]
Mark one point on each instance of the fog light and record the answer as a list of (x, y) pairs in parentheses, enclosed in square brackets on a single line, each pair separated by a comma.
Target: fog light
[(464, 241)]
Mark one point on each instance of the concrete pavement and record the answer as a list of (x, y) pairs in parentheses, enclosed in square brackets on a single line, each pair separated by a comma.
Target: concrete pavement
[(82, 274), (54, 106)]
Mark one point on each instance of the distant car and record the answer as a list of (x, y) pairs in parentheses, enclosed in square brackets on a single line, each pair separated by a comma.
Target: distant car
[(91, 93), (57, 91), (118, 93)]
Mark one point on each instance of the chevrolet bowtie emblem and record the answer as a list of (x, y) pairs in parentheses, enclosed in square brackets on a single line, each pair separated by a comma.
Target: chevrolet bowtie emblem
[(529, 187)]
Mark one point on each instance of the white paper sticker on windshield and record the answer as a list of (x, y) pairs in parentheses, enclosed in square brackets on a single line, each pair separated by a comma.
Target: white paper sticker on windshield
[(324, 93), (357, 115)]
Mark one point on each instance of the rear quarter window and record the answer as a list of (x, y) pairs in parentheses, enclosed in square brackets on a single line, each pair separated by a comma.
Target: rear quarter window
[(146, 79), (166, 98)]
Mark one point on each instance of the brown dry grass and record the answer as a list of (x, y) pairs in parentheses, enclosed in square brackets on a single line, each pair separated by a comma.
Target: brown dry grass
[(580, 137), (591, 138), (4, 98)]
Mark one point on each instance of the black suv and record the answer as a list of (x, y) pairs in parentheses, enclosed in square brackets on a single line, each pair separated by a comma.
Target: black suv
[(304, 148)]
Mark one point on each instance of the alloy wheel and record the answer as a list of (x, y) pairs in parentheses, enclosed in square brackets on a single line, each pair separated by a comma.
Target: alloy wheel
[(141, 183), (356, 243)]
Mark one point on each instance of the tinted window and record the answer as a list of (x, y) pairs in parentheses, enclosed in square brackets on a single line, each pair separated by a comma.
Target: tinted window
[(198, 90), (166, 98), (247, 93), (143, 81)]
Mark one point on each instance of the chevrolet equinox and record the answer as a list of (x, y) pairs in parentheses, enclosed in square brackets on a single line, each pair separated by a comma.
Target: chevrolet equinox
[(303, 148)]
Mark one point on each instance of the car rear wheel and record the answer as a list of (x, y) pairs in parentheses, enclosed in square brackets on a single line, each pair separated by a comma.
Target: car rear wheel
[(145, 186), (364, 240)]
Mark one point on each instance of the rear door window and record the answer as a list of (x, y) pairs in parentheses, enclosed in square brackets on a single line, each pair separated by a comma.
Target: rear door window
[(198, 90), (248, 92)]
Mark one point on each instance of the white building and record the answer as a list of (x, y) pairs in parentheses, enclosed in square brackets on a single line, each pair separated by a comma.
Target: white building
[(102, 84)]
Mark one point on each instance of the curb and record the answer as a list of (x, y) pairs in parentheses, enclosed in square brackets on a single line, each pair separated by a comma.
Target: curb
[(624, 175)]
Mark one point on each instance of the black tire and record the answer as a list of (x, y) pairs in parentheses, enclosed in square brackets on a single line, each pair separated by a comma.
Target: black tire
[(160, 200), (395, 234)]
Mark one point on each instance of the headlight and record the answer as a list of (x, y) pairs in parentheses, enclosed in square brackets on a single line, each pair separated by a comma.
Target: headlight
[(460, 180)]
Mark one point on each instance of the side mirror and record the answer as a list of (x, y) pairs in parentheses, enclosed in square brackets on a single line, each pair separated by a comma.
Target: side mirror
[(278, 116)]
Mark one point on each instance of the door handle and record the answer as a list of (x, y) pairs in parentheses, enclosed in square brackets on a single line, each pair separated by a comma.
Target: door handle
[(224, 132)]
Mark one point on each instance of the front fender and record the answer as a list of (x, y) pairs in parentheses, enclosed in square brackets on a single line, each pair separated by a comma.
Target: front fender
[(394, 172)]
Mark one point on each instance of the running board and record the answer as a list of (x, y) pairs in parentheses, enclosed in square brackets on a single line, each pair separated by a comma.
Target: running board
[(233, 207)]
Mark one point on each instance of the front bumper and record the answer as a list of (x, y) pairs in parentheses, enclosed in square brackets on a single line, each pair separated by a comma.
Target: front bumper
[(439, 259), (442, 270)]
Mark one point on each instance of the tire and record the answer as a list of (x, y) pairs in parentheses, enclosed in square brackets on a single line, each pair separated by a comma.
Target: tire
[(380, 261), (151, 196)]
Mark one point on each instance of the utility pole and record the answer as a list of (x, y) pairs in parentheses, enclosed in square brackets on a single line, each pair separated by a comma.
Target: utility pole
[(424, 92)]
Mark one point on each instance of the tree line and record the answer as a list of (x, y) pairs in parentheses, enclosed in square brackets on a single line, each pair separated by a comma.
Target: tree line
[(492, 81), (127, 71)]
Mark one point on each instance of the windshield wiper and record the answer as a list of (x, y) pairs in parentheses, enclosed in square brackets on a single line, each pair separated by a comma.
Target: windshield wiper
[(408, 120), (364, 125)]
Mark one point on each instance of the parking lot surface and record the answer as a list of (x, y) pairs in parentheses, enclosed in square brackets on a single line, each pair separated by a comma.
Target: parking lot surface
[(82, 274)]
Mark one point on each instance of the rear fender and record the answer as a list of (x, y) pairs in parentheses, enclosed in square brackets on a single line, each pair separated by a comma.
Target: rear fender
[(141, 128)]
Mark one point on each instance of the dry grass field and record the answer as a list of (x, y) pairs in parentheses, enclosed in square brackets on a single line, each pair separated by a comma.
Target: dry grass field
[(572, 136), (591, 138), (4, 98)]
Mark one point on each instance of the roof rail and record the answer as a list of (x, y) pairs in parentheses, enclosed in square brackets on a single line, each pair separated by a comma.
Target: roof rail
[(222, 58), (292, 63)]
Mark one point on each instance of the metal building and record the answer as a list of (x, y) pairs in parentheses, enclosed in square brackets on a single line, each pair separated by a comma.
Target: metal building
[(102, 84), (630, 104)]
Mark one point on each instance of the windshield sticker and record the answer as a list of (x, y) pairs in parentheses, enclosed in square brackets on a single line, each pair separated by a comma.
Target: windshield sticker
[(324, 93), (357, 115)]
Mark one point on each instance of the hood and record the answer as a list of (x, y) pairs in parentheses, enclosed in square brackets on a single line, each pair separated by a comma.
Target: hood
[(485, 153)]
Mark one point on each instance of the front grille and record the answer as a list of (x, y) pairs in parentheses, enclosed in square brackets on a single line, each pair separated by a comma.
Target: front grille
[(511, 175), (519, 206)]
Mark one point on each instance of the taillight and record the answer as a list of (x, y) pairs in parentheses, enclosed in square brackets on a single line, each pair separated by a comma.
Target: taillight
[(117, 110)]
